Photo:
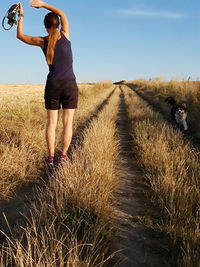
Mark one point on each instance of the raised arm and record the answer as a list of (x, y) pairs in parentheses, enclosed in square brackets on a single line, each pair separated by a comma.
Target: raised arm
[(60, 13), (37, 41)]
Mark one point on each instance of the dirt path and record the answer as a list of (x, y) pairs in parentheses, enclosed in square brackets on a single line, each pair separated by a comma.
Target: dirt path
[(13, 211), (141, 246)]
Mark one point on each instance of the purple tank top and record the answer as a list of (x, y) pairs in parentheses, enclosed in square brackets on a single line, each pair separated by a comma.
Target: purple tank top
[(62, 66)]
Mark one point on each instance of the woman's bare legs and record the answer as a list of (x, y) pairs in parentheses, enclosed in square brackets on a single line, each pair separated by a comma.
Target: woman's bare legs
[(68, 115), (52, 118)]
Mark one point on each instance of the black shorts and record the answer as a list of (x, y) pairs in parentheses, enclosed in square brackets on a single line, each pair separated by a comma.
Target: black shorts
[(61, 94)]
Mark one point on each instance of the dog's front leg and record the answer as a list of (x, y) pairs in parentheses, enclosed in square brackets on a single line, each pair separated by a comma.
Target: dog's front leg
[(185, 126)]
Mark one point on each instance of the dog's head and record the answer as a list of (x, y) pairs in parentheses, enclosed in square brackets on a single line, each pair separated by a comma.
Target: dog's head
[(181, 109)]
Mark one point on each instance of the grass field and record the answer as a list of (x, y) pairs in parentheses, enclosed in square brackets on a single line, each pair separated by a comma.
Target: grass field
[(22, 131), (172, 168), (76, 206), (73, 216)]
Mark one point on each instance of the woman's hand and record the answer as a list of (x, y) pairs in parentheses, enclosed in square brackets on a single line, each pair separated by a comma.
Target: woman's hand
[(37, 3), (20, 9)]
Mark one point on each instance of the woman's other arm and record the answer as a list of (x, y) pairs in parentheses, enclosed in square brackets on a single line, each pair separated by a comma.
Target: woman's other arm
[(37, 41)]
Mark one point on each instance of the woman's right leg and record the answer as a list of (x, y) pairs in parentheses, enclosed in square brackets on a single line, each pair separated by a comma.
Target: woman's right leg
[(68, 115), (52, 118)]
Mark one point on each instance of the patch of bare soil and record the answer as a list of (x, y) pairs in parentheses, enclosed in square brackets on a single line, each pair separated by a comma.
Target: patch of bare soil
[(140, 244)]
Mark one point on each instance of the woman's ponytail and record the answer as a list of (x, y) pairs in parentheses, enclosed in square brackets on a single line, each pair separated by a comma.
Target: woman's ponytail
[(53, 37), (51, 22)]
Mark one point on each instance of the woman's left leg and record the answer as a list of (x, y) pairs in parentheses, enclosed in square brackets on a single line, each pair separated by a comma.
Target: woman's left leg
[(68, 115)]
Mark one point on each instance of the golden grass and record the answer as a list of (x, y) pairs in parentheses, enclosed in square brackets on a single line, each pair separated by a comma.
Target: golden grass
[(22, 120), (171, 165), (71, 225)]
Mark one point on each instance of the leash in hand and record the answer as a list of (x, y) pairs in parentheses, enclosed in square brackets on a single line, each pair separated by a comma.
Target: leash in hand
[(11, 17)]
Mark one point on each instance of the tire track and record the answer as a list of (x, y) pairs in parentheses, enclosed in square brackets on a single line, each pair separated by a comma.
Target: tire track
[(140, 246)]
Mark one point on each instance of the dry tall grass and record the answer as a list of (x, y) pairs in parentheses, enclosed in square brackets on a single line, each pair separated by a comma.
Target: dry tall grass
[(71, 225), (183, 91), (172, 168), (22, 120)]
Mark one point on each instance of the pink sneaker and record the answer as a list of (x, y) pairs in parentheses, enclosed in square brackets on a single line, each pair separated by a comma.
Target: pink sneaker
[(64, 158), (50, 161)]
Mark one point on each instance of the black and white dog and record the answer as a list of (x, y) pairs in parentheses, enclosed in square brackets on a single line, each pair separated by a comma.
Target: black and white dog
[(178, 113)]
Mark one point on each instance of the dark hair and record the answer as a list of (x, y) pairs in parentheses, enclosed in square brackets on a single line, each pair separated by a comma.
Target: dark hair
[(51, 19), (51, 22)]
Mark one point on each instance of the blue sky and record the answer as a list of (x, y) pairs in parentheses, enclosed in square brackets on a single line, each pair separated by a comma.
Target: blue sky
[(111, 40)]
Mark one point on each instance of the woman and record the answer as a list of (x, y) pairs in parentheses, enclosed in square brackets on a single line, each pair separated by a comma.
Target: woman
[(61, 88)]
